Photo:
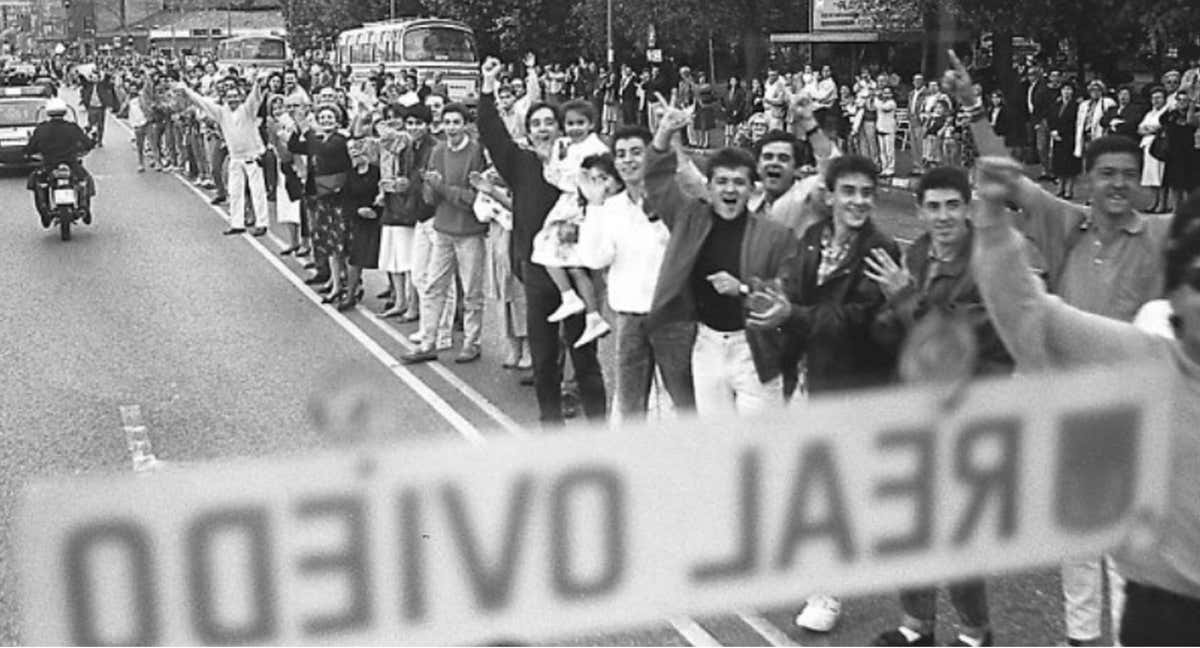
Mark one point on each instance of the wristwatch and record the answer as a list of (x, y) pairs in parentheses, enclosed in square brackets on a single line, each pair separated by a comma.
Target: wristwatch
[(744, 290)]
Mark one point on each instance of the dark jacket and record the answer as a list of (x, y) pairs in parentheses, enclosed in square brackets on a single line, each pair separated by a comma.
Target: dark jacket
[(766, 248), (1044, 98), (951, 291), (408, 207), (533, 197), (360, 190), (107, 93), (833, 321), (327, 156), (1131, 117), (58, 140)]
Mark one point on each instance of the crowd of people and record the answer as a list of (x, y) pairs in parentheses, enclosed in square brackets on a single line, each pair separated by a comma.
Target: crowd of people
[(570, 200)]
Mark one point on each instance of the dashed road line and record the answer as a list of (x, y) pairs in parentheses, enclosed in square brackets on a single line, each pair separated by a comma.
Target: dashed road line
[(768, 630), (691, 631)]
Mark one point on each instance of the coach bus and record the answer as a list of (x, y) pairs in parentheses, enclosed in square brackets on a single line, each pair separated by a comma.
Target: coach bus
[(426, 46), (262, 52)]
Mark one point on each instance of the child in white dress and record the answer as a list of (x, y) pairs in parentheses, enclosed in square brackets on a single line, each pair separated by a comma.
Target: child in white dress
[(554, 245)]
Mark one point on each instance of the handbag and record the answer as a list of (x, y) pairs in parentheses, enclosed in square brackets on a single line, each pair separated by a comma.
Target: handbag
[(1160, 147), (329, 183)]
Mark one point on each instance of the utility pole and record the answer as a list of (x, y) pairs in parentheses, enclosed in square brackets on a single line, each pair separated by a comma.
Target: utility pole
[(609, 29), (392, 10)]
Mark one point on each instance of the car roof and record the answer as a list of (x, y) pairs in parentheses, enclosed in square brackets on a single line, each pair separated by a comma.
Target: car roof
[(24, 92)]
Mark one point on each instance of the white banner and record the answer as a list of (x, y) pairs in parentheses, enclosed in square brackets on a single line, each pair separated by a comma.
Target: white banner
[(596, 529)]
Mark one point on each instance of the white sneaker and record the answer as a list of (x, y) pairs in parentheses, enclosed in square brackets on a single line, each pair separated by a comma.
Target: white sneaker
[(596, 328), (571, 305), (820, 613), (415, 338)]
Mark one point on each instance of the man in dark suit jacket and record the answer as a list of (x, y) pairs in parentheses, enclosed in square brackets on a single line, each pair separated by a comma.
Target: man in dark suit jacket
[(1035, 105), (98, 95)]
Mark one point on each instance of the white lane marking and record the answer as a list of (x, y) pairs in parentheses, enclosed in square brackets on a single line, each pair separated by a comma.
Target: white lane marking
[(768, 630), (460, 424), (688, 628), (692, 632), (471, 394)]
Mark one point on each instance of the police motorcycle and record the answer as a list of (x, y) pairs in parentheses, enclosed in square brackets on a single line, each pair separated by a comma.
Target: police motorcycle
[(62, 189)]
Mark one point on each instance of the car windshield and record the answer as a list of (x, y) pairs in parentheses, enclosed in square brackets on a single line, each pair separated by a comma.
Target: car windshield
[(439, 44), (19, 113)]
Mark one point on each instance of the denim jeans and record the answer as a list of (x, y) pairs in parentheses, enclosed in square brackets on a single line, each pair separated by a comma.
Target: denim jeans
[(638, 352), (725, 378), (969, 599), (453, 255)]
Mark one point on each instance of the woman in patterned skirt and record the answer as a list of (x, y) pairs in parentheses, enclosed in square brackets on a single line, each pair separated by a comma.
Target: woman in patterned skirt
[(329, 164)]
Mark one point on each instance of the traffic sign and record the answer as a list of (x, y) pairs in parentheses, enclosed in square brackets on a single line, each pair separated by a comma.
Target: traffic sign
[(566, 533)]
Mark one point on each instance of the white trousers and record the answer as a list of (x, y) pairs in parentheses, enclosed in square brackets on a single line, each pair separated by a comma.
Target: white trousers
[(1083, 597), (724, 377), (887, 153), (242, 174), (424, 237)]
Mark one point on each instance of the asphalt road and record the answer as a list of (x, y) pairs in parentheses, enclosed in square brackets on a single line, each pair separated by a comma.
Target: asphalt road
[(219, 343)]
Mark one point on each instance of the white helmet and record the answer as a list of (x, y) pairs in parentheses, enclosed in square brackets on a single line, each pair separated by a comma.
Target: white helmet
[(56, 106)]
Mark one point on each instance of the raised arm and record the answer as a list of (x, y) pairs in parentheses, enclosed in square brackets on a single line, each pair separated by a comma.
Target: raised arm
[(663, 193), (493, 133), (1048, 218), (1040, 330), (209, 106)]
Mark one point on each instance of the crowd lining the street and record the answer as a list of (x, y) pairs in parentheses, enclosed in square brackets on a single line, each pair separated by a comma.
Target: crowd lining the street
[(570, 200)]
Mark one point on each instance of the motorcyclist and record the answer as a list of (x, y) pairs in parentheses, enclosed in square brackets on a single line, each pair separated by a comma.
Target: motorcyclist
[(59, 141)]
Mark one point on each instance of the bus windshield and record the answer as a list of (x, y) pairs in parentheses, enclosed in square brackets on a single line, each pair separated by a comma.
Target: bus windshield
[(263, 49), (439, 44)]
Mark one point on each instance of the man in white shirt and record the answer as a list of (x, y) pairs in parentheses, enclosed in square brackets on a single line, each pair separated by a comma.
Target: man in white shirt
[(885, 132), (238, 120), (622, 237), (776, 99)]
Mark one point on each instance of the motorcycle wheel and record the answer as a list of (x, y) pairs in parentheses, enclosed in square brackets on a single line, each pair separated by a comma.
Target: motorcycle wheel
[(64, 228)]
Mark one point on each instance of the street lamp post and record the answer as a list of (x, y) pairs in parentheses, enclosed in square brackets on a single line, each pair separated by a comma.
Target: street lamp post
[(609, 30)]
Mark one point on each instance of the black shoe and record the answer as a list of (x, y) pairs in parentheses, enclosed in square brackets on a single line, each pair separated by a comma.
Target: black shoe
[(258, 231), (347, 303), (317, 280), (897, 638), (419, 356), (334, 297), (87, 217), (46, 221), (570, 405), (527, 379), (219, 200), (233, 231)]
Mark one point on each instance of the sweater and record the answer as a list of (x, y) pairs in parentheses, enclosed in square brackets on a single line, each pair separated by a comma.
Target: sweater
[(1043, 332), (453, 197)]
